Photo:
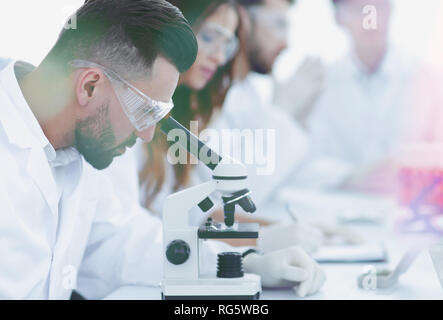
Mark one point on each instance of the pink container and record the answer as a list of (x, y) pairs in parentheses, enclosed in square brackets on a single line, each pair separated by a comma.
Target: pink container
[(420, 188)]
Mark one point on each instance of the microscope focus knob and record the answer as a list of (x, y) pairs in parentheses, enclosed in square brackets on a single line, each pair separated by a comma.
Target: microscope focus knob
[(177, 252)]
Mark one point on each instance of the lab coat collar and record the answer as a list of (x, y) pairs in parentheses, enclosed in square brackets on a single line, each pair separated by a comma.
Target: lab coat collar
[(23, 130), (64, 157), (386, 69)]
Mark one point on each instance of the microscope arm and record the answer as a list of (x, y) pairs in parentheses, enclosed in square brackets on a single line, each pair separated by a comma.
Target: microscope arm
[(229, 177), (193, 144)]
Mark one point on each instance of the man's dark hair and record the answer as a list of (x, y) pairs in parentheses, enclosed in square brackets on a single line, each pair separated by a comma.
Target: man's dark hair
[(127, 36)]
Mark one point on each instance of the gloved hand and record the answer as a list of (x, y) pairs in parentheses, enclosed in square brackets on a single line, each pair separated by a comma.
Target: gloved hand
[(299, 94), (278, 236), (290, 267)]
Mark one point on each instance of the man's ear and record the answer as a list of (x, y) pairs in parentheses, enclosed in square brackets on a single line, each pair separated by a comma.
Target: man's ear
[(86, 83)]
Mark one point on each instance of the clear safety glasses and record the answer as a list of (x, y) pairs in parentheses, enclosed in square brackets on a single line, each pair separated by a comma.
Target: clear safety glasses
[(275, 20), (142, 111), (213, 38)]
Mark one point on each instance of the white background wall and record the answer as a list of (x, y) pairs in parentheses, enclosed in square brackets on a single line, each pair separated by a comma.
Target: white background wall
[(28, 28), (414, 30)]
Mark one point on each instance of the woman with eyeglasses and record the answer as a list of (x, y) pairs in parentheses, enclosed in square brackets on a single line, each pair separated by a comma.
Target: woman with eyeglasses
[(201, 91), (200, 94)]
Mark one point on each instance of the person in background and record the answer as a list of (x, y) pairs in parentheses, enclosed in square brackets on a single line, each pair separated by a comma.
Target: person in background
[(263, 37), (200, 92), (198, 99), (359, 117), (299, 94)]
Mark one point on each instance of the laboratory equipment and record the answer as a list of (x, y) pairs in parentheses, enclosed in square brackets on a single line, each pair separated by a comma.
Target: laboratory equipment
[(384, 278), (182, 278), (420, 189)]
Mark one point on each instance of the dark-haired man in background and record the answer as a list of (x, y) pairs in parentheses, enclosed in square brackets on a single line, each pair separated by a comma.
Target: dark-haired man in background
[(100, 87), (263, 38)]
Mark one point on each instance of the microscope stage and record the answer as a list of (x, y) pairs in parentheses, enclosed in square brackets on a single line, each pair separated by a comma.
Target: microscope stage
[(237, 231)]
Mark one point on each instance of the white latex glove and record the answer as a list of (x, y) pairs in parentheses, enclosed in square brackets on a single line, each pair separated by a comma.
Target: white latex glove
[(280, 236), (299, 94), (290, 267)]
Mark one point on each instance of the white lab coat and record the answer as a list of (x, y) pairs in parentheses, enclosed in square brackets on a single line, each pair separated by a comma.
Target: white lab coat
[(4, 62), (55, 230), (359, 117), (248, 107)]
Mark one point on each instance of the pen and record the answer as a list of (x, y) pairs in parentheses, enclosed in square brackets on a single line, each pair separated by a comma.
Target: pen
[(291, 211)]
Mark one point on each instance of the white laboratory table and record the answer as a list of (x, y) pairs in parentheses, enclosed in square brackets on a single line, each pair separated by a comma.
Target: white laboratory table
[(420, 282)]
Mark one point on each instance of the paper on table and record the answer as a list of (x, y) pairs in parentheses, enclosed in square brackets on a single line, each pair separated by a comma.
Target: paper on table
[(351, 254)]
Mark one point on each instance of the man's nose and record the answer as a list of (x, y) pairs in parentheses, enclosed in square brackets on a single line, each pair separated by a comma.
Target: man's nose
[(146, 135)]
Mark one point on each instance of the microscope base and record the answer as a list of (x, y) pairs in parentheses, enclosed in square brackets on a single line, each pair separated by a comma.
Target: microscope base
[(255, 297), (246, 288)]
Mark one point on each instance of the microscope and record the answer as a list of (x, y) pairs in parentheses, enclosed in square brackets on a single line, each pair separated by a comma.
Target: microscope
[(182, 278)]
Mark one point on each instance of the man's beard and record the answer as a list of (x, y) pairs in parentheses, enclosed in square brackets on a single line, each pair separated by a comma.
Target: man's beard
[(255, 56), (257, 64), (92, 149), (94, 139)]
